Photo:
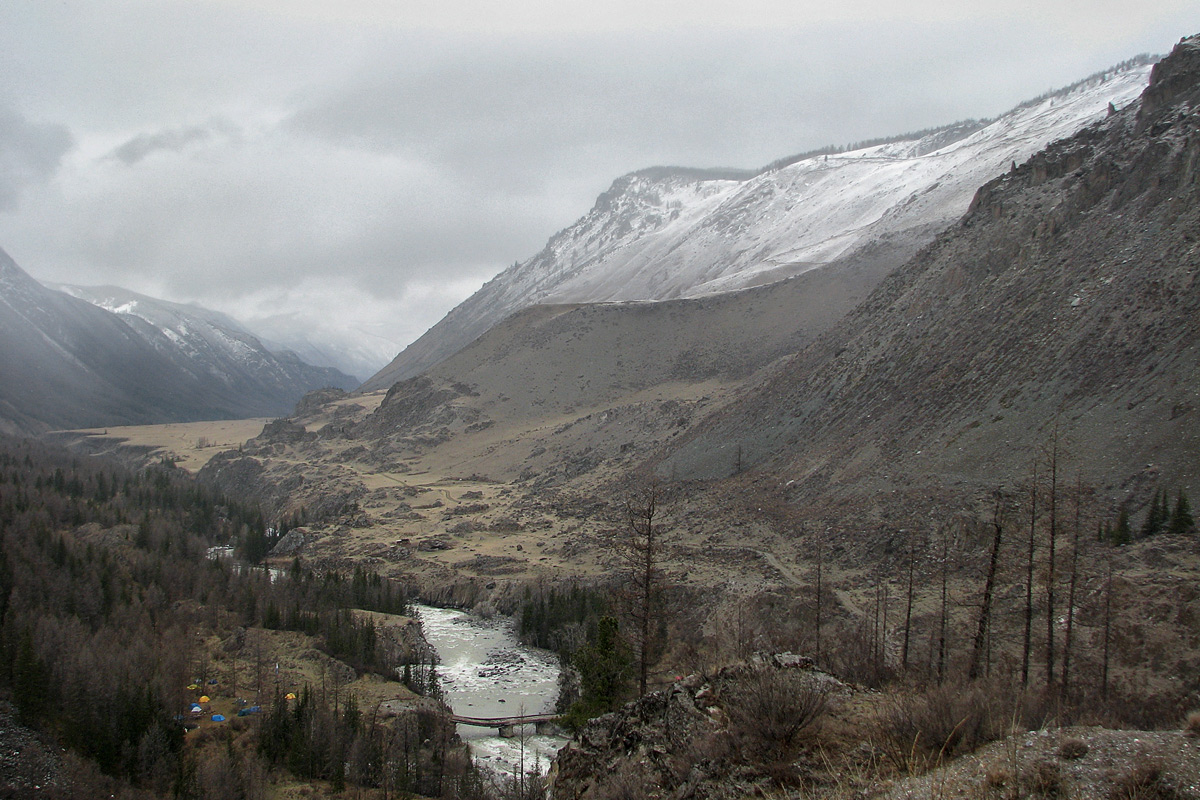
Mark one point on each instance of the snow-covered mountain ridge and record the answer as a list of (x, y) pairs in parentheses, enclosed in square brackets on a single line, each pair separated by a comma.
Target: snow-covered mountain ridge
[(128, 359), (216, 344), (668, 233)]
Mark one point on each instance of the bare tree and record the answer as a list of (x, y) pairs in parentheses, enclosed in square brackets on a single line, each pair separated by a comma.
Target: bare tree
[(1071, 586), (1033, 497), (1052, 458), (982, 629), (944, 613), (642, 552), (1108, 587), (820, 589), (908, 605), (882, 598)]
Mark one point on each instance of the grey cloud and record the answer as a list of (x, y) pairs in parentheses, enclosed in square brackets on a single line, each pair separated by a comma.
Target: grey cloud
[(612, 104), (170, 139), (406, 158), (490, 107), (30, 153)]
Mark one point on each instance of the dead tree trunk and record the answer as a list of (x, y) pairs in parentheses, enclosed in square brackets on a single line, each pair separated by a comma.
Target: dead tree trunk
[(1029, 578), (989, 586), (943, 615), (883, 626), (908, 606), (1108, 584), (1071, 586), (1050, 565), (642, 553), (818, 598)]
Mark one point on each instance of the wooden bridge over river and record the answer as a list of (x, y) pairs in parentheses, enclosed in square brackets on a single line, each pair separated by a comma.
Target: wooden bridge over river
[(507, 726)]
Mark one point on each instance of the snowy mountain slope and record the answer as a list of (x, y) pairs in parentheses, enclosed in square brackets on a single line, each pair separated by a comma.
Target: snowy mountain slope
[(1066, 303), (665, 233), (211, 343), (66, 363)]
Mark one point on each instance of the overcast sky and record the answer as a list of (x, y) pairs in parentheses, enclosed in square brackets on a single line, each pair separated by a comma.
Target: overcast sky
[(373, 162)]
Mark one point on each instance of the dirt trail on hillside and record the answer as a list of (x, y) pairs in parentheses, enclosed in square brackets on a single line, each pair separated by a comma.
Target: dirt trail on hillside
[(791, 578)]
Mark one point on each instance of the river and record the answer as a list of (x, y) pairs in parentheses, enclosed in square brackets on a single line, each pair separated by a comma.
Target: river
[(226, 552), (485, 672)]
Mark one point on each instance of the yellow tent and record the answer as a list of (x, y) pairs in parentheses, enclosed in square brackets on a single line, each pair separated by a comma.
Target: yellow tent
[(290, 696), (203, 698), (193, 686)]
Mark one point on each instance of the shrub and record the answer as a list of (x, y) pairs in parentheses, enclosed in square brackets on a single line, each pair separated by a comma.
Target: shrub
[(1044, 780), (920, 729), (1192, 726), (771, 707), (1146, 780), (1072, 748), (624, 783), (997, 777)]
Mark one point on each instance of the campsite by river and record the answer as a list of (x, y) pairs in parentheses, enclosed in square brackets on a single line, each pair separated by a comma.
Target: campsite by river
[(484, 672)]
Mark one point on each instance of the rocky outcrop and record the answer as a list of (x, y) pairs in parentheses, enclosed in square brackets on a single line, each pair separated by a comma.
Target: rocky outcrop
[(328, 492), (1172, 81), (416, 407), (700, 737), (283, 431), (315, 400), (289, 545)]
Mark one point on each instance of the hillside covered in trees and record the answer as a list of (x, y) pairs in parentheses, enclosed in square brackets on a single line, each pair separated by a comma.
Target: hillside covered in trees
[(117, 622)]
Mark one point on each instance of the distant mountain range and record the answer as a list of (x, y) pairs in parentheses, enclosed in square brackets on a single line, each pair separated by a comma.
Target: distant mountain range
[(86, 357), (668, 233), (355, 350)]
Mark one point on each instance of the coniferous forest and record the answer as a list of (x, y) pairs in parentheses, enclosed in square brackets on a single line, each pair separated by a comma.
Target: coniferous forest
[(108, 598)]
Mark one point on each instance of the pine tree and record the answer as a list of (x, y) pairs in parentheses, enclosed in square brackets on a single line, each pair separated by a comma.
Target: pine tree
[(1156, 518), (31, 681), (1181, 521), (603, 665), (1123, 533)]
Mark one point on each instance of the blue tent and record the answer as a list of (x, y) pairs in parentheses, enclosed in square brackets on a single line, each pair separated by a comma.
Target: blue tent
[(218, 717)]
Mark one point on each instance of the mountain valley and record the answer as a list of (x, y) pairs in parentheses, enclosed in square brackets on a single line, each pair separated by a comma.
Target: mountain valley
[(1060, 302), (919, 411)]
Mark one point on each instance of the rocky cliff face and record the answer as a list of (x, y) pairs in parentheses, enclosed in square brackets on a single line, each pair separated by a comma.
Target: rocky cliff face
[(1066, 299)]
